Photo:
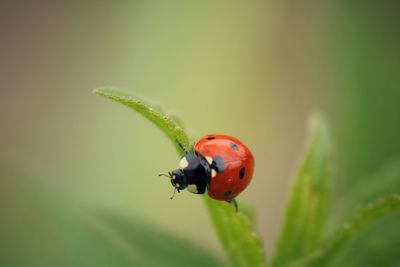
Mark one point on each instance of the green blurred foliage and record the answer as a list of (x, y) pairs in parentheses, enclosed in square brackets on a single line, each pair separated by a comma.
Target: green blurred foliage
[(367, 95), (366, 63), (43, 228), (376, 246), (250, 69)]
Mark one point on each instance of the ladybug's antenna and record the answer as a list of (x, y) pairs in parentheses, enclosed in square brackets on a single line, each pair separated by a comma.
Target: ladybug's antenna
[(173, 194), (166, 175)]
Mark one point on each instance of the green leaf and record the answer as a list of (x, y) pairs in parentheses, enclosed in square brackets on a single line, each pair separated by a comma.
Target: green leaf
[(42, 227), (365, 216), (242, 244), (307, 205), (249, 212), (170, 125)]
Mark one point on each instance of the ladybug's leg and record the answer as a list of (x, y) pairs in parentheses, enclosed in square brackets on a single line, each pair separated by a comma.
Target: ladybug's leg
[(234, 203)]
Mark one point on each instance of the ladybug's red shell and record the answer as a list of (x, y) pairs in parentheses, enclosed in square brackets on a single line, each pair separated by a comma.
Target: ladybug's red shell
[(237, 165)]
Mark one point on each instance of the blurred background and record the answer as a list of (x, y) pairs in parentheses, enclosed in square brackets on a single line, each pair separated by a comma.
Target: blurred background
[(254, 70)]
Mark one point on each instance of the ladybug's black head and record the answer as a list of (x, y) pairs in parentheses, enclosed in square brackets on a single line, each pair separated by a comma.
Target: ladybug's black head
[(194, 174), (178, 179)]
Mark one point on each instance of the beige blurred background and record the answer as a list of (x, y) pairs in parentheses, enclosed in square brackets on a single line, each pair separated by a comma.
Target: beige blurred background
[(255, 70)]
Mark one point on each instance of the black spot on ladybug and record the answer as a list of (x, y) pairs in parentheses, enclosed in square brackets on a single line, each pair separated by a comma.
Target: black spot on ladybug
[(218, 164), (234, 146), (211, 137), (227, 193), (241, 173)]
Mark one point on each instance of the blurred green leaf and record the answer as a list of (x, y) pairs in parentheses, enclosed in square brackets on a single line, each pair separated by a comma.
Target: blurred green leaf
[(365, 216), (380, 239), (234, 229), (41, 227), (382, 182), (307, 206), (151, 246), (377, 245), (170, 125)]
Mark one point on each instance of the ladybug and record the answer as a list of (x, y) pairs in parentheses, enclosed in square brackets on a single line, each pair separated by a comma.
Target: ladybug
[(220, 164)]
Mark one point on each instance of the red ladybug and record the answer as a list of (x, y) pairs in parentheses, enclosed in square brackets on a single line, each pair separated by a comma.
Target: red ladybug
[(221, 164)]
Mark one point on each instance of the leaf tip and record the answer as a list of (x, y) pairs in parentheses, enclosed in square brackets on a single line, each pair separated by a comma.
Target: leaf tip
[(319, 129), (95, 91), (317, 122), (102, 91)]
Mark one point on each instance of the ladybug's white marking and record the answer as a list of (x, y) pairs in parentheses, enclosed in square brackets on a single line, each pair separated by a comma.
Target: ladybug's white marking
[(213, 173), (192, 188), (209, 160), (183, 163)]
